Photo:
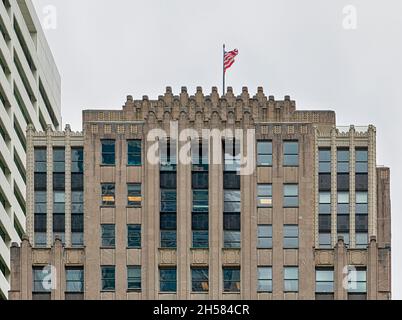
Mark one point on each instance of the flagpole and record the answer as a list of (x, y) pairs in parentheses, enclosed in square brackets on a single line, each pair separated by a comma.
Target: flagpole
[(224, 73)]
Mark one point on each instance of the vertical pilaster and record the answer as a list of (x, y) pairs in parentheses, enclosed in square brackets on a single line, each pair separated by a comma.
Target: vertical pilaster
[(334, 187), (30, 192), (340, 270), (372, 181), (58, 269), (49, 188), (352, 187), (372, 267), (68, 187), (316, 189)]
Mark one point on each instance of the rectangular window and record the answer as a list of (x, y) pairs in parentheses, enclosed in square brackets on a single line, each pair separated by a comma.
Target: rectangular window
[(199, 279), (200, 219), (343, 157), (40, 218), (290, 196), (168, 155), (231, 279), (108, 235), (168, 219), (108, 278), (59, 225), (74, 280), (357, 280), (361, 161), (77, 160), (38, 277), (291, 279), (108, 194), (134, 195), (343, 218), (324, 220), (290, 237), (231, 155), (77, 218), (134, 236), (168, 279), (291, 153), (108, 152), (134, 278), (200, 180), (59, 164), (40, 160), (264, 279), (134, 152), (264, 153), (324, 160), (324, 280), (264, 237), (362, 240), (199, 155), (264, 195), (325, 240), (232, 227)]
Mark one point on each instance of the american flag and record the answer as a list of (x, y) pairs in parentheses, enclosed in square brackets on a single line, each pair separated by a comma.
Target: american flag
[(230, 58)]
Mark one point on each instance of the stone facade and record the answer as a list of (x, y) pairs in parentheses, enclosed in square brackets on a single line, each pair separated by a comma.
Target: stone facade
[(273, 120)]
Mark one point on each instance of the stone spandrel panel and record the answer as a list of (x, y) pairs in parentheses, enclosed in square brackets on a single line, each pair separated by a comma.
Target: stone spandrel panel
[(200, 257), (167, 257), (108, 257), (41, 256), (324, 257), (264, 257), (74, 256), (231, 257), (357, 257)]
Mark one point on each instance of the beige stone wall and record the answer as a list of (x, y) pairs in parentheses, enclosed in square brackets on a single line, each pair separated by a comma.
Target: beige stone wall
[(272, 120)]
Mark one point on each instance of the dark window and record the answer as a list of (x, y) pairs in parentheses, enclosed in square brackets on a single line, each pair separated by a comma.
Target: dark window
[(264, 153), (362, 182), (231, 226), (231, 180), (168, 180), (291, 153), (168, 201), (290, 196), (168, 279), (134, 152), (361, 223), (134, 278), (168, 239), (200, 201), (168, 221), (108, 235), (77, 182), (59, 181), (199, 279), (291, 279), (134, 236), (264, 279), (324, 223), (108, 278), (108, 194), (200, 221), (264, 237), (40, 181), (59, 212), (324, 280), (343, 182), (77, 160), (325, 160), (200, 239), (264, 195), (134, 195), (77, 218), (231, 279), (290, 237), (74, 280), (40, 211), (200, 180), (108, 152), (343, 212)]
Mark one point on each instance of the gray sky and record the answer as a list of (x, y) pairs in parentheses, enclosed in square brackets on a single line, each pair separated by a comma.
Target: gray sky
[(106, 50)]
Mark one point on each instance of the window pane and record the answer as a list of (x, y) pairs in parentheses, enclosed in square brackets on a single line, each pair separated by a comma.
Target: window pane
[(291, 147), (167, 278), (200, 239), (291, 190), (134, 236), (168, 239), (200, 280), (232, 239)]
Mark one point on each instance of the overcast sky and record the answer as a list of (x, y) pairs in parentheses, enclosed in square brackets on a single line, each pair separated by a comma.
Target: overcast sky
[(106, 50)]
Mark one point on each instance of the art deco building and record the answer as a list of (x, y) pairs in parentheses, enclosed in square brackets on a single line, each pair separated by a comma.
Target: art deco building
[(312, 221), (29, 94)]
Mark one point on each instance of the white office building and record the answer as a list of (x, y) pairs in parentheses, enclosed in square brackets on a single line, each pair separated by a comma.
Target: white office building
[(29, 94)]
